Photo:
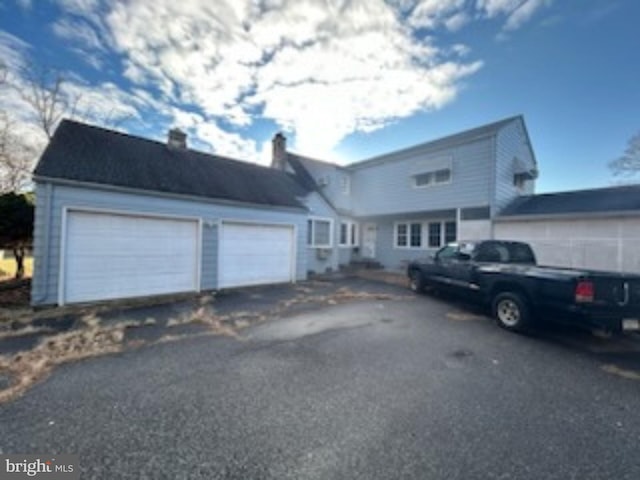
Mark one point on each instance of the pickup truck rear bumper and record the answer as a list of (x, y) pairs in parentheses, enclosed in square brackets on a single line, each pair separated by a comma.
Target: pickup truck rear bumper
[(617, 320)]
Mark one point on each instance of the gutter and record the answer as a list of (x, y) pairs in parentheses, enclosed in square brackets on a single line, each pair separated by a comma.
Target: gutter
[(569, 216), (173, 196)]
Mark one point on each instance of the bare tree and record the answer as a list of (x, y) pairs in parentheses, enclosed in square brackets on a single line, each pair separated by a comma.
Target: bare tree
[(42, 90), (16, 158), (628, 164)]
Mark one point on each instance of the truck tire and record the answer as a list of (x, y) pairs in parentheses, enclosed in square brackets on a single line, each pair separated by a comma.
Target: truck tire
[(416, 283), (511, 311)]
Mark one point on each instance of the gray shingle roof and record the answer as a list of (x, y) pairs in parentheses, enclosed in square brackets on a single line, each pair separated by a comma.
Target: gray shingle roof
[(600, 200), (85, 153)]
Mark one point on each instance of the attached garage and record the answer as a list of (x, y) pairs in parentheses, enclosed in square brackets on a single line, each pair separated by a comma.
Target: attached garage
[(119, 216), (107, 256), (256, 254), (596, 229)]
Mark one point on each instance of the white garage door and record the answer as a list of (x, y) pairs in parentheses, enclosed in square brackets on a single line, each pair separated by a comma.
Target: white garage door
[(116, 256), (255, 254)]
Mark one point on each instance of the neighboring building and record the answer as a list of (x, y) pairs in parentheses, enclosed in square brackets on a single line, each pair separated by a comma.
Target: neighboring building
[(121, 216), (598, 228)]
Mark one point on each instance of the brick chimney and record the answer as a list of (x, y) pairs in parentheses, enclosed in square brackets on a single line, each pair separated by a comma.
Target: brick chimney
[(177, 138), (279, 152)]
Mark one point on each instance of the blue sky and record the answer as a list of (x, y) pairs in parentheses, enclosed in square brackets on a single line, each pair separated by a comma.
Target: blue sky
[(345, 79)]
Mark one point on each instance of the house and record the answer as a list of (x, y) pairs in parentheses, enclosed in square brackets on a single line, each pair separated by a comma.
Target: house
[(122, 216), (396, 207)]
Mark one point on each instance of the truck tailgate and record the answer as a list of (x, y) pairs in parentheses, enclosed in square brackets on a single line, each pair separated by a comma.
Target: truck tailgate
[(617, 290)]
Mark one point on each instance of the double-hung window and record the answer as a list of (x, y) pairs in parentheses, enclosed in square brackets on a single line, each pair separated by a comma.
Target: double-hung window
[(348, 234), (319, 232), (408, 235), (441, 233)]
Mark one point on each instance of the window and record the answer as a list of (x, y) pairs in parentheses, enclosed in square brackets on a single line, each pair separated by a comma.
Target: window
[(408, 235), (415, 237), (435, 177), (348, 234), (344, 233), (345, 184), (401, 235), (319, 232), (435, 229), (450, 232)]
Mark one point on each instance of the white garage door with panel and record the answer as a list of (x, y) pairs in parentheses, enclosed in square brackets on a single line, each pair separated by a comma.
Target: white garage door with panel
[(256, 254), (109, 256)]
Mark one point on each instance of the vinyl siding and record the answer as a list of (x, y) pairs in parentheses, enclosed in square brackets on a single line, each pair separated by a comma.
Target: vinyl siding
[(333, 188), (387, 187), (318, 207), (595, 243), (393, 258), (47, 236), (511, 143)]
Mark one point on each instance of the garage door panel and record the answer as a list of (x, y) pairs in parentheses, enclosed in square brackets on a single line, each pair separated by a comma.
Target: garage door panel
[(112, 256), (255, 254)]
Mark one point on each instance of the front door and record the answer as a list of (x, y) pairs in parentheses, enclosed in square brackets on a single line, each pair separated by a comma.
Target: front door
[(369, 236)]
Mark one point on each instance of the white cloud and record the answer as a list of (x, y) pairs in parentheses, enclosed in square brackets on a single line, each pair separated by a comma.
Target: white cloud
[(25, 4), (78, 31), (347, 65), (320, 69), (517, 12)]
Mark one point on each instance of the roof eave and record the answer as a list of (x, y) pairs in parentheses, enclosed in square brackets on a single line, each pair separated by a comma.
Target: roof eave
[(169, 195), (567, 215)]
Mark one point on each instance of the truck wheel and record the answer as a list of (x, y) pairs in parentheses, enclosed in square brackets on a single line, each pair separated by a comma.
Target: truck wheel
[(511, 311), (416, 283)]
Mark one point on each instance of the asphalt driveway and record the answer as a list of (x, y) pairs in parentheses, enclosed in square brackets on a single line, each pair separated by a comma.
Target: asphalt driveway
[(378, 387)]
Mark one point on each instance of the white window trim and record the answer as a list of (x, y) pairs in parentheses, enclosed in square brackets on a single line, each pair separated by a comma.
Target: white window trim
[(443, 230), (351, 242), (434, 183), (408, 246), (320, 219), (345, 184), (424, 233)]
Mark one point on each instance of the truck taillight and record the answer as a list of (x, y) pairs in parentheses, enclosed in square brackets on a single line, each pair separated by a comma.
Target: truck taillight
[(584, 292)]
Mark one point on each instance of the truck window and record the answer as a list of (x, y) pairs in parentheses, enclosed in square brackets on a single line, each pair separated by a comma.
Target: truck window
[(504, 252)]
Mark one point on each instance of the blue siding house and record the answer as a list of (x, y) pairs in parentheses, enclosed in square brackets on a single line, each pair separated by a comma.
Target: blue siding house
[(122, 216), (400, 206)]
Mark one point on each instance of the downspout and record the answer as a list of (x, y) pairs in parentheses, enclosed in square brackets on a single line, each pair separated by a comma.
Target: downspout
[(44, 248), (493, 183)]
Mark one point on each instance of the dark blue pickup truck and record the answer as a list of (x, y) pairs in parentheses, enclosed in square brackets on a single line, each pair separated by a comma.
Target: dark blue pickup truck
[(504, 276)]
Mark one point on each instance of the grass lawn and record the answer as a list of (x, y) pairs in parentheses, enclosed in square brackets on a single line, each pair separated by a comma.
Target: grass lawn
[(8, 268)]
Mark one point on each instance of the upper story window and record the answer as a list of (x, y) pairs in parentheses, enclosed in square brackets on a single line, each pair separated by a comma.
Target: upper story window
[(319, 232), (348, 234), (435, 177), (345, 184)]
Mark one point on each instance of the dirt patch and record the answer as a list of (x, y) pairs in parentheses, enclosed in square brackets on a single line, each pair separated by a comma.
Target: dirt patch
[(26, 368), (392, 278), (92, 336), (621, 372), (14, 294), (460, 316)]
